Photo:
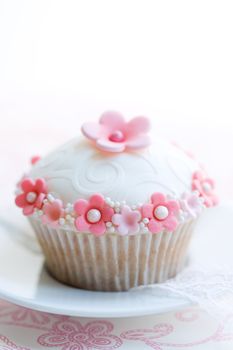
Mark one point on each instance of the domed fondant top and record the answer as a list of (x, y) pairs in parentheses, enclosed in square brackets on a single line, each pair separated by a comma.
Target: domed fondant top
[(78, 169), (115, 178)]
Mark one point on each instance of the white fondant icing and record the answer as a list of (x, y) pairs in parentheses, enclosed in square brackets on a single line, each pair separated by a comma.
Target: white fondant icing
[(78, 169)]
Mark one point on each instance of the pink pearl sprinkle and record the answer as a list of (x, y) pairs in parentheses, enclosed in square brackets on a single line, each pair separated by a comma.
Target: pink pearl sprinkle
[(117, 136)]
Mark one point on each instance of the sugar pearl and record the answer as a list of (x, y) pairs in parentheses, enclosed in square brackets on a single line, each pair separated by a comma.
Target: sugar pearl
[(111, 229), (50, 197), (68, 217), (93, 216), (117, 136), (62, 221), (31, 197), (207, 187), (161, 212), (146, 221), (109, 224)]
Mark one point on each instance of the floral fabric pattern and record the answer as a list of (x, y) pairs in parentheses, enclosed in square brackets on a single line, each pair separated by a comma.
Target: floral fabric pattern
[(72, 335)]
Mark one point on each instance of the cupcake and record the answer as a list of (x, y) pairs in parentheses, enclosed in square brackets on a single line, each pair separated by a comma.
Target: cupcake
[(114, 208)]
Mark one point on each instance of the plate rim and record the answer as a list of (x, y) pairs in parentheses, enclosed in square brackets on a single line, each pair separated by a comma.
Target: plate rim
[(23, 302)]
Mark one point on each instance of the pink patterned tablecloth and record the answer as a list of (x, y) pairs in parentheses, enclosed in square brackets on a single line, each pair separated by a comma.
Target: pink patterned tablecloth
[(22, 329)]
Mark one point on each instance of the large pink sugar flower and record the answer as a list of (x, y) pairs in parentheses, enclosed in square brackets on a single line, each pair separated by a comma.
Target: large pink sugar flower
[(128, 221), (114, 134), (53, 211), (92, 214), (162, 213), (34, 192), (205, 187)]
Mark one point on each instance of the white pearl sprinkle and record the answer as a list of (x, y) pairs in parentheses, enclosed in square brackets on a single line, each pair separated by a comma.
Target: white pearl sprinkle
[(142, 224), (50, 197), (40, 212), (107, 200), (62, 221), (123, 203), (133, 207), (117, 210), (117, 204), (182, 217), (31, 197), (68, 217), (112, 229), (93, 215), (161, 212), (145, 230), (207, 187), (112, 204), (109, 224)]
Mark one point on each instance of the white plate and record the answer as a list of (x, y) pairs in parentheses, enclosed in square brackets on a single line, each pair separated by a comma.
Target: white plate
[(25, 281)]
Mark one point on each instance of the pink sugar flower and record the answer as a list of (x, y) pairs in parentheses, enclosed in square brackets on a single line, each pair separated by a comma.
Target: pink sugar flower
[(114, 134), (34, 192), (92, 214), (162, 213), (128, 221), (205, 187), (191, 204), (53, 211)]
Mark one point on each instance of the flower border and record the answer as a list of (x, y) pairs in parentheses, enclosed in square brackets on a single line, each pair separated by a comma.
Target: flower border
[(34, 198)]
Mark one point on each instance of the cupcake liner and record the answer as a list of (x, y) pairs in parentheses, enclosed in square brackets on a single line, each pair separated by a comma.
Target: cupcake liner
[(113, 262)]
